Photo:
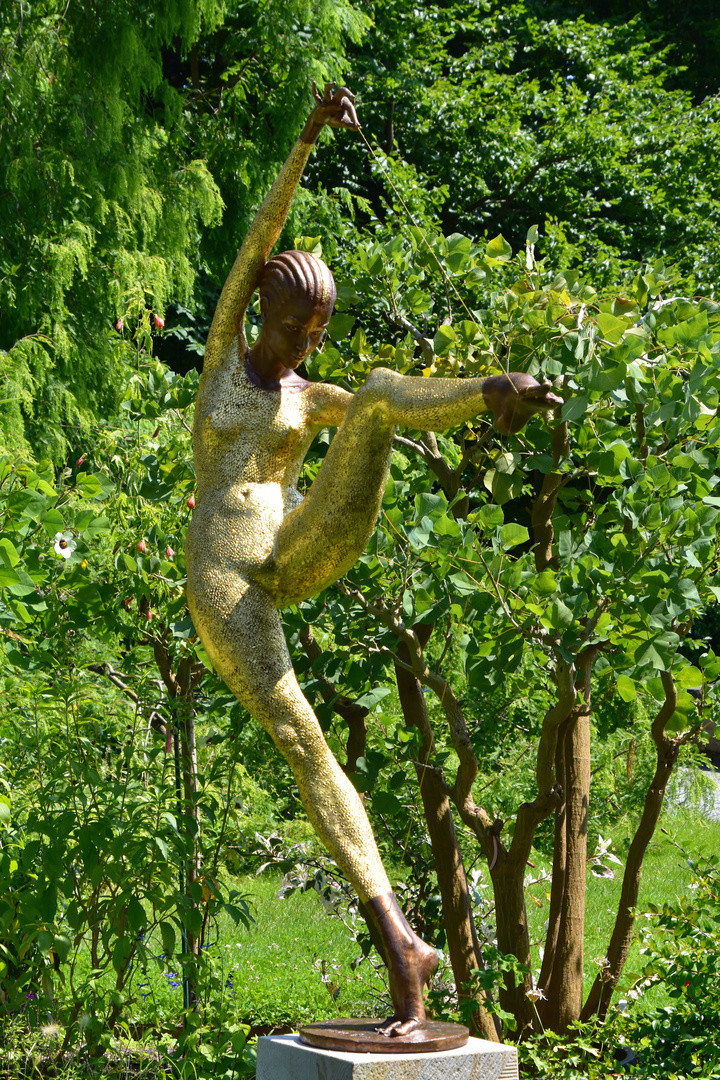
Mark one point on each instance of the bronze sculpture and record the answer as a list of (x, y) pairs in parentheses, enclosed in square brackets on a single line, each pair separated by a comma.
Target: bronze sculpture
[(254, 544)]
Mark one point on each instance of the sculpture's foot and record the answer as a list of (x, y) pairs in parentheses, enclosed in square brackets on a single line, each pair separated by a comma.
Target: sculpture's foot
[(411, 965)]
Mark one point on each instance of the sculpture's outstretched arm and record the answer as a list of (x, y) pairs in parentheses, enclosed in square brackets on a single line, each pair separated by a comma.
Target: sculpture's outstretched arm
[(336, 109)]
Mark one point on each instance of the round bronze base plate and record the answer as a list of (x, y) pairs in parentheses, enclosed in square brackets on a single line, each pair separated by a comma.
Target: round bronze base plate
[(362, 1037)]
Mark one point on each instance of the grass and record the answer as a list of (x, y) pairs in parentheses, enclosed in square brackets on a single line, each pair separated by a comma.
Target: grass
[(666, 876), (295, 964)]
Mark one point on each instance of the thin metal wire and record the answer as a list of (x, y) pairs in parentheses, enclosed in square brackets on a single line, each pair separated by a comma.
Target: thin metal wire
[(423, 234)]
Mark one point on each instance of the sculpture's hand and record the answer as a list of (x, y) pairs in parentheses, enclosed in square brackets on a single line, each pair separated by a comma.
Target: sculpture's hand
[(514, 398), (335, 107)]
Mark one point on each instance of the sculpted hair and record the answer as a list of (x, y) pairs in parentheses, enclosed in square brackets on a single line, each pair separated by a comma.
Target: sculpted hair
[(293, 273)]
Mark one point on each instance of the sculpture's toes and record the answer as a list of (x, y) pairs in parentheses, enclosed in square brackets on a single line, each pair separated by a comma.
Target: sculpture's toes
[(395, 1027)]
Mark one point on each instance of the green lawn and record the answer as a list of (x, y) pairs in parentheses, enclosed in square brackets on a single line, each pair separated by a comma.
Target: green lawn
[(294, 964), (291, 967), (666, 876)]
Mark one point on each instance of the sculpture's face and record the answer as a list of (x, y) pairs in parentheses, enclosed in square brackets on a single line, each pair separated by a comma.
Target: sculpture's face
[(292, 328)]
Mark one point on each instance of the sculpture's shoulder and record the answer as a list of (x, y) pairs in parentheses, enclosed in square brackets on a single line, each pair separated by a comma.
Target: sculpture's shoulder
[(221, 392), (326, 404)]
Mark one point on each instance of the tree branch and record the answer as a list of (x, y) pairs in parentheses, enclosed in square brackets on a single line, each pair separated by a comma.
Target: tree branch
[(352, 713)]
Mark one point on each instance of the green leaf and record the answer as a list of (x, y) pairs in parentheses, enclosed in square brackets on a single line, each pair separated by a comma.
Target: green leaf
[(545, 583), (430, 504), (168, 936), (62, 945), (574, 408), (384, 802), (340, 326), (444, 340), (8, 553), (372, 697), (560, 615), (488, 516), (53, 522), (458, 252), (511, 535), (610, 326), (688, 333), (97, 527), (313, 244), (626, 688), (608, 377), (687, 678), (499, 249), (8, 576), (184, 628), (137, 918), (94, 486), (504, 486), (419, 535)]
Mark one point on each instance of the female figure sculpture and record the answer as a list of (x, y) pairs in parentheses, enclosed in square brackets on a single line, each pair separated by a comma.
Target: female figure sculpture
[(255, 544)]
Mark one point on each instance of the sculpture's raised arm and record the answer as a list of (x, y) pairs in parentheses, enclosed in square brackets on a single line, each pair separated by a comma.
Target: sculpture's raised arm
[(336, 109)]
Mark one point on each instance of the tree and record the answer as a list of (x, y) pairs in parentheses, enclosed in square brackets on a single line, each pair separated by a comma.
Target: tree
[(580, 554), (510, 586), (128, 136), (497, 116)]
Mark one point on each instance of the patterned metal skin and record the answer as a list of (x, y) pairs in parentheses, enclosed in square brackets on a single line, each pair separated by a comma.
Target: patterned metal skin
[(254, 544)]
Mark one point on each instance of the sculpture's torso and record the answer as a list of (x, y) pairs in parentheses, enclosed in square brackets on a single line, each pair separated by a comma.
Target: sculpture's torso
[(249, 445)]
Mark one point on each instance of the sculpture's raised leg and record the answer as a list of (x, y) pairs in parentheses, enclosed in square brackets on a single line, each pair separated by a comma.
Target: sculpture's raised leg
[(323, 537)]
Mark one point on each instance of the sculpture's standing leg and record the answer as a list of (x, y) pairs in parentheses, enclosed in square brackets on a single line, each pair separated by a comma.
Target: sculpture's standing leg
[(322, 538), (245, 641)]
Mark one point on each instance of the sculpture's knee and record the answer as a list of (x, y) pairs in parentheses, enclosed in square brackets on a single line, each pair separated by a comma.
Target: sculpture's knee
[(377, 389), (292, 744)]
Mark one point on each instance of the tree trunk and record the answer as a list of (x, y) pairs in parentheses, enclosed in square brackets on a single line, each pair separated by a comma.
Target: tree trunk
[(513, 938), (565, 997), (462, 942), (557, 889), (667, 752)]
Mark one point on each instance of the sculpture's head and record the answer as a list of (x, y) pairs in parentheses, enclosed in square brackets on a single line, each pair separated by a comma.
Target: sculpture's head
[(297, 295)]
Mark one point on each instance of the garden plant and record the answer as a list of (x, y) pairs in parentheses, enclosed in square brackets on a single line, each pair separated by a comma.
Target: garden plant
[(520, 665)]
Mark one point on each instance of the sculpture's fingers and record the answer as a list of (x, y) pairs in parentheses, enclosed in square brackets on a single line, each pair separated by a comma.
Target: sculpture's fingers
[(350, 117), (328, 98), (316, 93)]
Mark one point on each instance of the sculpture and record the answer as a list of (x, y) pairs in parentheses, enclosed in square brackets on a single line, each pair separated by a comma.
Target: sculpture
[(254, 544)]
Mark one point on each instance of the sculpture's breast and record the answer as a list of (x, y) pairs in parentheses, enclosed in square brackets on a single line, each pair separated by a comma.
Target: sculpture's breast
[(244, 433), (249, 445)]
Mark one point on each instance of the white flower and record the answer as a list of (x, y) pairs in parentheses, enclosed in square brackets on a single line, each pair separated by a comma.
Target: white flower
[(65, 544)]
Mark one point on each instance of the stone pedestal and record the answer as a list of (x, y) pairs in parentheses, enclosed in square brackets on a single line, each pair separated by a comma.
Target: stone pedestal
[(284, 1057)]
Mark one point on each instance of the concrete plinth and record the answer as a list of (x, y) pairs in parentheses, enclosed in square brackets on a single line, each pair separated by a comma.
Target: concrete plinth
[(284, 1057)]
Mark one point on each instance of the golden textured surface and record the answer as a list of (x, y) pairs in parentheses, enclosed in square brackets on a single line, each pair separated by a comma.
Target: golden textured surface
[(254, 544), (228, 323)]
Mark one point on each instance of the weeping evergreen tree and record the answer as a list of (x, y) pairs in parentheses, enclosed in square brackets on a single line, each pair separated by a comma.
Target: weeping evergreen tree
[(135, 141)]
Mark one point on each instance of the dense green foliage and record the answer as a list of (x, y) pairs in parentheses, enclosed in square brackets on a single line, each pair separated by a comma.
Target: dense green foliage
[(125, 132), (136, 143), (511, 114), (540, 589)]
